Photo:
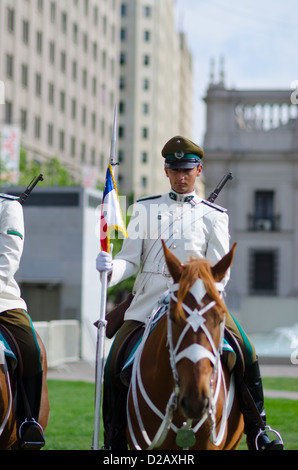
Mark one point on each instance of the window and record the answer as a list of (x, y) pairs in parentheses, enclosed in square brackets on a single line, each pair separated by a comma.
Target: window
[(39, 42), (24, 120), (83, 152), (52, 52), (8, 112), (122, 83), (24, 75), (264, 204), (10, 20), (145, 132), (63, 61), (123, 34), (38, 84), (9, 66), (74, 70), (145, 108), (37, 127), (62, 101), (53, 12), (146, 59), (146, 84), (84, 78), (264, 217), (123, 10), (61, 140), (121, 156), (51, 93), (84, 115), (75, 33), (25, 31), (147, 11), (122, 58), (50, 134), (263, 272), (72, 146), (121, 132), (121, 107), (64, 22)]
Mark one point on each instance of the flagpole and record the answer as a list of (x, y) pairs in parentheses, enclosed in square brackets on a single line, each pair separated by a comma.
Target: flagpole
[(101, 326)]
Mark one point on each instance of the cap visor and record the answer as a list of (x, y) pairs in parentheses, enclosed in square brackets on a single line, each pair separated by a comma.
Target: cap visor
[(181, 164)]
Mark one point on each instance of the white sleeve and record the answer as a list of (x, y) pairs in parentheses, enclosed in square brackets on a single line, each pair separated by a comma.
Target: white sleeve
[(11, 240), (127, 262)]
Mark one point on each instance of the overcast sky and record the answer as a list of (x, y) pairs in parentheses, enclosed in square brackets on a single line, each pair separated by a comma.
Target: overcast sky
[(257, 39)]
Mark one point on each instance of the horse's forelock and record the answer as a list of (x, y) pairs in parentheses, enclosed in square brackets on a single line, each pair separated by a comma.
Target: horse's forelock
[(194, 269)]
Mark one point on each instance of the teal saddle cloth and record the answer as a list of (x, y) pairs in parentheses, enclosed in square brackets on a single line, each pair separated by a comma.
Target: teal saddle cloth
[(8, 351)]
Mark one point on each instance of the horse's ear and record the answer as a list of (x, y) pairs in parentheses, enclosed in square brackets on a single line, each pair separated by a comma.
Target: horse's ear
[(174, 266), (220, 269)]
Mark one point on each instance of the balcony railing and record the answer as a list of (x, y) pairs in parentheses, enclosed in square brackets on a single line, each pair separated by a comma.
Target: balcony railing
[(264, 224)]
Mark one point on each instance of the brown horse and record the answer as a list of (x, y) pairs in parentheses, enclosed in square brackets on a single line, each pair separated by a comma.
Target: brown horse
[(8, 429), (181, 395)]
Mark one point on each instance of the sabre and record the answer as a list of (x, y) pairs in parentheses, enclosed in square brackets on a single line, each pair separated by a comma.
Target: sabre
[(101, 324)]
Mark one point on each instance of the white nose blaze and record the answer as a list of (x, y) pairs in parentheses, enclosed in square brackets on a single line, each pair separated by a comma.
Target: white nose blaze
[(195, 352)]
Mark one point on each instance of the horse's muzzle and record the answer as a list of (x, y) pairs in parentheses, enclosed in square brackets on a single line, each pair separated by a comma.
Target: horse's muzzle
[(194, 409)]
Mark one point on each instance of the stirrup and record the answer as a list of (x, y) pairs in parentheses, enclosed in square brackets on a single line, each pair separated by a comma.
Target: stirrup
[(31, 435), (263, 431)]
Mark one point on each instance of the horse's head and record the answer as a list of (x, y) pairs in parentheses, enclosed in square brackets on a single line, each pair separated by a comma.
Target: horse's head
[(195, 328)]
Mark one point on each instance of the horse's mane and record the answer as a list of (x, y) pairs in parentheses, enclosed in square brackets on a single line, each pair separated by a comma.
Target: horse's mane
[(194, 269)]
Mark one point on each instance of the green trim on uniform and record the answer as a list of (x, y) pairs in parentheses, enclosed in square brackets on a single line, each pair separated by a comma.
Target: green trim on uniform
[(247, 343), (14, 232)]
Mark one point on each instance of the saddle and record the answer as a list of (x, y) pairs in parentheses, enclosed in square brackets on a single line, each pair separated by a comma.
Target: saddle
[(115, 318), (124, 352)]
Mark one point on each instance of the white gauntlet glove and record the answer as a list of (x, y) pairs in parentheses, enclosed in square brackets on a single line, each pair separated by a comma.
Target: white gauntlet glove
[(104, 262)]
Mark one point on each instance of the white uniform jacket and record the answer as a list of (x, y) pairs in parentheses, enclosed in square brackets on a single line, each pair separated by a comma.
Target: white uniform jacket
[(11, 249), (195, 228)]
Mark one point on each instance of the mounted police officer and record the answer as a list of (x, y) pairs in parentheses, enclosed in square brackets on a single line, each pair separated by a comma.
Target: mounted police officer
[(190, 226), (15, 319)]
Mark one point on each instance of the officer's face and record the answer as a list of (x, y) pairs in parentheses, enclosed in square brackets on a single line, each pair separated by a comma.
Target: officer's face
[(182, 180)]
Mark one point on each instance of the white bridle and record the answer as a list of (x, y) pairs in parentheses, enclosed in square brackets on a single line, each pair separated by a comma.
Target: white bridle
[(195, 353)]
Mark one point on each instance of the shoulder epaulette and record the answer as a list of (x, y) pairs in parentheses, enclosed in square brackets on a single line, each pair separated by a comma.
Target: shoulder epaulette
[(214, 206), (9, 196), (148, 198)]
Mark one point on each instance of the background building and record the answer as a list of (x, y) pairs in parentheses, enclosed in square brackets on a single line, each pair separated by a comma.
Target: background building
[(155, 93), (59, 63), (254, 134)]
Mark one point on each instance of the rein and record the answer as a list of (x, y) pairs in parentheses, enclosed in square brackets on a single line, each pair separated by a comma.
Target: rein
[(194, 352)]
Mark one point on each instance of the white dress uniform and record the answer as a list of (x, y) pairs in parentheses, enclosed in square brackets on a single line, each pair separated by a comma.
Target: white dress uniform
[(11, 249), (189, 225)]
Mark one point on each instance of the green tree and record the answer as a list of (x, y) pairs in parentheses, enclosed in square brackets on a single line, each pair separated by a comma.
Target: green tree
[(54, 172)]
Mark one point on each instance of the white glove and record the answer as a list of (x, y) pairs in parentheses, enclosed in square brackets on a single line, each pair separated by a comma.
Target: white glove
[(104, 262)]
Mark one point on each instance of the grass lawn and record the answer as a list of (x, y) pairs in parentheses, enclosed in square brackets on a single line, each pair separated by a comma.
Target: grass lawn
[(72, 414)]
